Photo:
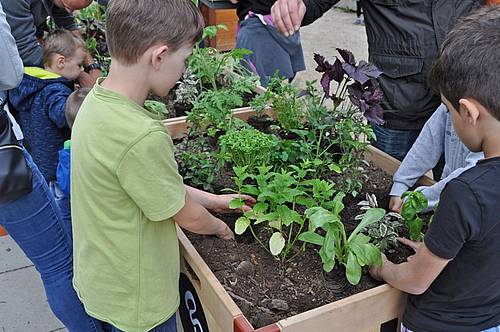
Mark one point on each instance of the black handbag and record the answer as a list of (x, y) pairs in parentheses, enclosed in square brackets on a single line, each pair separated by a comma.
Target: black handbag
[(15, 174)]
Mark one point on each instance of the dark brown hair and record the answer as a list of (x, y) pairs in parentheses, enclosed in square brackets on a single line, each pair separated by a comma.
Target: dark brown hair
[(134, 26), (468, 63)]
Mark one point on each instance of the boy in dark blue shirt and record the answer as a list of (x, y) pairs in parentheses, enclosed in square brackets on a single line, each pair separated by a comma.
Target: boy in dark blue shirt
[(453, 278)]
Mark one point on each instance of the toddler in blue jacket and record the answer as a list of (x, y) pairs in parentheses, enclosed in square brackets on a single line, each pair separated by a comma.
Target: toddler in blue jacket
[(40, 99)]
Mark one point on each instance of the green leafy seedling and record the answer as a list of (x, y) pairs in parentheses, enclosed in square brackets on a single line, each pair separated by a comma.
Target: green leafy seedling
[(414, 203)]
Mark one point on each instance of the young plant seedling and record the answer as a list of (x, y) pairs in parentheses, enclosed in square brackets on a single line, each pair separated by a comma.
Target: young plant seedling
[(352, 252), (414, 203)]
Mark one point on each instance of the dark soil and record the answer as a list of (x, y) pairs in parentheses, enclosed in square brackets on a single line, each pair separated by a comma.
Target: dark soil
[(252, 276)]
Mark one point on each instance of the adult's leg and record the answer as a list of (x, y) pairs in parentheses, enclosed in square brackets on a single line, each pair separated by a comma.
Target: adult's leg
[(394, 142), (34, 222)]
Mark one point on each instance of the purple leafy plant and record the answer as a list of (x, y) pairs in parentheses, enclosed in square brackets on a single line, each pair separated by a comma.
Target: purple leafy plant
[(358, 80)]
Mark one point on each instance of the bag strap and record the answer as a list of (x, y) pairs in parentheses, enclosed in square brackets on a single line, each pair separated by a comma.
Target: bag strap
[(7, 136)]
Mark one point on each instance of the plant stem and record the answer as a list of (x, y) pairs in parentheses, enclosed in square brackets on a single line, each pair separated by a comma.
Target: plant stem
[(259, 241), (318, 145)]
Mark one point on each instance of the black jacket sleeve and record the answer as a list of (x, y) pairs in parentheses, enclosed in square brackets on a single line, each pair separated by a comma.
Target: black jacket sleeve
[(315, 9), (63, 19)]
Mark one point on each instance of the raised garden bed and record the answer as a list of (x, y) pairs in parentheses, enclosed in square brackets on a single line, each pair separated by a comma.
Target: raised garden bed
[(375, 306)]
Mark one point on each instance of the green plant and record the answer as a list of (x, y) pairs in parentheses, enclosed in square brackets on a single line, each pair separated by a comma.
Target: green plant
[(199, 168), (414, 203), (352, 252), (92, 19), (187, 90), (213, 108), (284, 99), (384, 234), (157, 108), (248, 147), (213, 68), (281, 199)]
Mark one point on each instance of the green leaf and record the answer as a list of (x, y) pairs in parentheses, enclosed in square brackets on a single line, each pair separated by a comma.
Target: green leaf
[(366, 253), (250, 190), (236, 203), (327, 251), (306, 201), (241, 225), (320, 217), (267, 217), (371, 216), (311, 237), (335, 168), (352, 269), (260, 207), (361, 239), (276, 243), (415, 227)]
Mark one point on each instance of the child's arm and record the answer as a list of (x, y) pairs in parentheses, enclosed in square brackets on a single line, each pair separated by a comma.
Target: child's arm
[(218, 203), (413, 276), (423, 155), (55, 99), (433, 192), (195, 218), (455, 223)]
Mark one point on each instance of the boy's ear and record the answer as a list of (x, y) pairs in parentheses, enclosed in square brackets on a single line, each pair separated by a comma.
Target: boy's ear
[(60, 61), (158, 55), (469, 109)]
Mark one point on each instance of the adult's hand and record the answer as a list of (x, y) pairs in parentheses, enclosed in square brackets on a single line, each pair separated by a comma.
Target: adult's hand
[(287, 15)]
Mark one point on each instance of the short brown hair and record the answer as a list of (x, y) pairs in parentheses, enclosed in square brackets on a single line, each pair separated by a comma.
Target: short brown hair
[(134, 26), (73, 104), (61, 42)]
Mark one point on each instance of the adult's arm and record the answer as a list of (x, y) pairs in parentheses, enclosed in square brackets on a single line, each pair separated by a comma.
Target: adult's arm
[(10, 62), (64, 19), (289, 15)]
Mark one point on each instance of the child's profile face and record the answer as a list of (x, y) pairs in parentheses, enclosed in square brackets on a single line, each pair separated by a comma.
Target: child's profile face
[(73, 66), (171, 70)]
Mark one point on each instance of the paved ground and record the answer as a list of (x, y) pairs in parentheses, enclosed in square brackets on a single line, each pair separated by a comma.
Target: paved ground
[(23, 305)]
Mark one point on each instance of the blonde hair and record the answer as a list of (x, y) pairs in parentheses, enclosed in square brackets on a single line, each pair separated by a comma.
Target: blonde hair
[(61, 42), (134, 26)]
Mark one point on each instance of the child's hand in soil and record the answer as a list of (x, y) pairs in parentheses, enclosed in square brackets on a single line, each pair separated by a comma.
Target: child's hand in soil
[(395, 204), (412, 244), (226, 233), (221, 203), (375, 271)]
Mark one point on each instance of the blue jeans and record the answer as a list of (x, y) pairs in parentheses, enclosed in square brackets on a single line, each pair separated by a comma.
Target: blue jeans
[(64, 204), (34, 222), (169, 326), (394, 142)]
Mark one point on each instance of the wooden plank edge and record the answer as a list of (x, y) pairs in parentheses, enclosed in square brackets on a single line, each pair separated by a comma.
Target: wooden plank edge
[(383, 290), (391, 164), (204, 274)]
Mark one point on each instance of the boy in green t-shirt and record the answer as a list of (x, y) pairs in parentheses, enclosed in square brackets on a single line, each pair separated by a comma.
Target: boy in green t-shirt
[(126, 192)]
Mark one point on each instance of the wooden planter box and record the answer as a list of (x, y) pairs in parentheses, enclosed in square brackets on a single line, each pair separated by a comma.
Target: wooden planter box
[(221, 12), (375, 310)]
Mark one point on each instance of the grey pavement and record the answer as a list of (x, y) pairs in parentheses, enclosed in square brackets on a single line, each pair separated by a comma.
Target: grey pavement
[(23, 304)]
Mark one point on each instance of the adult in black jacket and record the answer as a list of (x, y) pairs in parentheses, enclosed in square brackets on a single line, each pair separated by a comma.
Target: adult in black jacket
[(24, 16), (403, 38)]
